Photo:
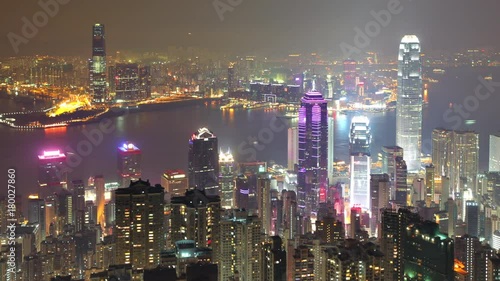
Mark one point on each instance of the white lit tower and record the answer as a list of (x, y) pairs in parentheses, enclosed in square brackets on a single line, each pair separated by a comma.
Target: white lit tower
[(359, 140), (409, 101), (226, 179)]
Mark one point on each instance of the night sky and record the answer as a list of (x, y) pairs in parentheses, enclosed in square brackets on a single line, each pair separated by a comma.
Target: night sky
[(260, 27)]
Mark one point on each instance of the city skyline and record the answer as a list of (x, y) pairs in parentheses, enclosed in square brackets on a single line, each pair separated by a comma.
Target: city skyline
[(197, 143)]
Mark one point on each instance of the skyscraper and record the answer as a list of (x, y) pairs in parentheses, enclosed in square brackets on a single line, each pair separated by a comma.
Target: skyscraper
[(100, 201), (226, 179), (231, 83), (36, 213), (494, 159), (264, 183), (175, 182), (441, 151), (293, 147), (430, 189), (98, 65), (203, 162), (274, 260), (355, 218), (139, 228), (409, 101), (350, 76), (428, 253), (144, 82), (241, 246), (400, 182), (380, 188), (304, 264), (129, 163), (389, 154), (78, 204), (456, 155), (360, 140), (313, 147), (290, 224), (472, 217), (196, 216), (331, 146), (392, 240), (466, 247), (465, 159), (51, 169), (127, 82)]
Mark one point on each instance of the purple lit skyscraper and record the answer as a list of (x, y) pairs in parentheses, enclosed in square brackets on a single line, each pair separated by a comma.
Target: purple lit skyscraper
[(313, 150)]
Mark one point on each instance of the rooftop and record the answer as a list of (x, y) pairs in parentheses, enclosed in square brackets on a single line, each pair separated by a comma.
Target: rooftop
[(202, 133), (139, 187), (410, 39)]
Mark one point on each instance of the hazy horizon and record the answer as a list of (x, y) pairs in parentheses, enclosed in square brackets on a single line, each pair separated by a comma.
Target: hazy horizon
[(251, 27)]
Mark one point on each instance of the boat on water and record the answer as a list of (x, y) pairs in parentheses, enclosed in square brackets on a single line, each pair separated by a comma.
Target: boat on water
[(438, 71)]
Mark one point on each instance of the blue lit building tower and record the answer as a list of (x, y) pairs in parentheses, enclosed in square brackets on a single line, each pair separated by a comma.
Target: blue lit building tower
[(313, 149), (409, 101), (97, 65)]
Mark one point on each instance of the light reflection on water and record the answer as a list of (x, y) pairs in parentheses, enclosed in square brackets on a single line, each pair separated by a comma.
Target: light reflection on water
[(163, 135)]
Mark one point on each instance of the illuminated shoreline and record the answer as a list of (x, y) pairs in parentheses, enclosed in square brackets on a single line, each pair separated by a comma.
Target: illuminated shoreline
[(9, 119)]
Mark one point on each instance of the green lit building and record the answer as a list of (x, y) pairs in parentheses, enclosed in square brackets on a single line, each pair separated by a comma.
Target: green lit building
[(428, 253)]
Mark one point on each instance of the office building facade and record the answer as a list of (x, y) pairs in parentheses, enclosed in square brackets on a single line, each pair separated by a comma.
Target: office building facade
[(409, 101)]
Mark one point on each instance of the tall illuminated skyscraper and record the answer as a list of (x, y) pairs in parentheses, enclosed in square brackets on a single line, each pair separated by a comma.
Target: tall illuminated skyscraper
[(231, 82), (129, 163), (293, 147), (98, 65), (139, 228), (51, 170), (36, 213), (264, 186), (472, 217), (196, 216), (380, 189), (389, 154), (331, 146), (313, 147), (465, 159), (360, 140), (350, 76), (203, 162), (240, 247), (392, 240), (400, 181), (455, 154), (409, 101), (226, 179), (494, 159), (127, 82), (441, 151), (100, 201)]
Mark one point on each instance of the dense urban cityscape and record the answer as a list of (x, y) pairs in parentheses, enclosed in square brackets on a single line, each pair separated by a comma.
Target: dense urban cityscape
[(314, 166)]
